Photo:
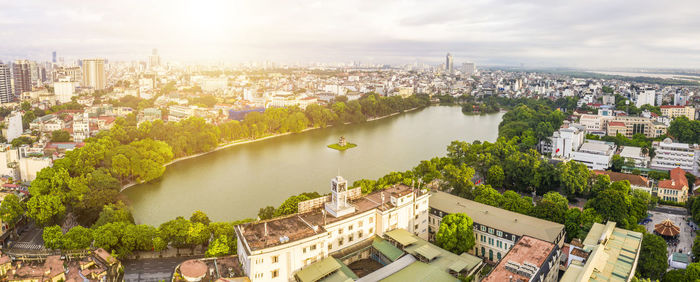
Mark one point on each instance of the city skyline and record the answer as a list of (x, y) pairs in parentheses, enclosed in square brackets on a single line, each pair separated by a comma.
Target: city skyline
[(544, 34)]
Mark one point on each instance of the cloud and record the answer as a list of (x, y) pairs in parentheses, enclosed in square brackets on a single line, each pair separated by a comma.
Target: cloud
[(592, 33)]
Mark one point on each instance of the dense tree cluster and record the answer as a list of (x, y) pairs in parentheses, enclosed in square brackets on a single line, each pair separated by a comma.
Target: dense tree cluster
[(653, 257), (117, 233), (531, 124), (684, 130)]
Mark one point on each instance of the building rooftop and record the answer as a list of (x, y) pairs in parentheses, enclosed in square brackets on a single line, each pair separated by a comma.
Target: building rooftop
[(601, 148), (616, 123), (612, 255), (501, 219), (635, 180), (274, 232), (526, 257), (631, 152), (677, 181)]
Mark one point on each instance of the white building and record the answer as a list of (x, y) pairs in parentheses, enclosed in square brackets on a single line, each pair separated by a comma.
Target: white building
[(646, 97), (635, 154), (14, 126), (669, 155), (274, 250), (595, 154), (31, 161), (9, 158), (595, 123), (64, 90), (81, 127), (565, 141)]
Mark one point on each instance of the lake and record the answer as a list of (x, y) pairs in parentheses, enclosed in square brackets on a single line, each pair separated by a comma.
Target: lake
[(235, 182)]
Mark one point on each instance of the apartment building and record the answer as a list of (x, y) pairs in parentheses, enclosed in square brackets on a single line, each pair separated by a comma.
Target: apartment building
[(274, 250)]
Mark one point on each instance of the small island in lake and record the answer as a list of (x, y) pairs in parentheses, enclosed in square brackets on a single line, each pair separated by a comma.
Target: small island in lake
[(342, 145)]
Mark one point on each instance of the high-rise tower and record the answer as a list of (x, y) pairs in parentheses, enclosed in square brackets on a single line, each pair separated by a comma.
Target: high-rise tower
[(94, 74), (6, 94), (449, 63), (21, 71)]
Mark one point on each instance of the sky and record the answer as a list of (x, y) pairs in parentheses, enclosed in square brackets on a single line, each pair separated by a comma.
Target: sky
[(570, 33)]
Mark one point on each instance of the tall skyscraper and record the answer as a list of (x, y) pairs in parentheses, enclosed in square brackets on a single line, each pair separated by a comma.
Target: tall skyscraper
[(53, 57), (154, 59), (22, 73), (449, 63), (94, 73), (5, 84)]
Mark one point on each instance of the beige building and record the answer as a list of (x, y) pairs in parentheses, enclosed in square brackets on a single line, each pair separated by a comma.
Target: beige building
[(496, 230), (94, 74), (677, 111), (674, 189), (634, 125), (274, 250)]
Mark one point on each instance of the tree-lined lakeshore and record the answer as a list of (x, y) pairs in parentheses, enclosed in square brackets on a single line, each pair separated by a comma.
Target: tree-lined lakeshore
[(80, 191)]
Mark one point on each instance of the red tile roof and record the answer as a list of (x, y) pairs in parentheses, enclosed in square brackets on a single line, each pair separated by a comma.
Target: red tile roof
[(671, 107), (677, 181), (635, 180), (616, 123)]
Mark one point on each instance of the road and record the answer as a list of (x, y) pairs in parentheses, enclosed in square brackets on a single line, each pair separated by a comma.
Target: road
[(151, 270)]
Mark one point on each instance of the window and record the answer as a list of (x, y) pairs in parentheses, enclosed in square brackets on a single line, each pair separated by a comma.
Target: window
[(416, 217), (258, 275), (275, 259), (340, 231), (359, 234), (483, 228), (312, 248), (330, 246), (350, 238), (371, 219), (340, 242), (359, 224), (275, 273), (490, 230), (350, 228), (258, 261), (415, 227), (371, 229), (304, 249), (499, 233)]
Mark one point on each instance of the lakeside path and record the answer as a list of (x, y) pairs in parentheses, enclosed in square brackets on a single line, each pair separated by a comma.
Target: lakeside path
[(241, 142)]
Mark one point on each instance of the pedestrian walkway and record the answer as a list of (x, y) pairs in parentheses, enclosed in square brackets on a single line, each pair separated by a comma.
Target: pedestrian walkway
[(27, 246)]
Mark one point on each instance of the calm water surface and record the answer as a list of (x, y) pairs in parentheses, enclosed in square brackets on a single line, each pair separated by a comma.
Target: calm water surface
[(234, 183)]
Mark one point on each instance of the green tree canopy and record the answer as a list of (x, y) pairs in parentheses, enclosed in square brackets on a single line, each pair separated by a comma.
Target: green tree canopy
[(653, 257), (456, 233)]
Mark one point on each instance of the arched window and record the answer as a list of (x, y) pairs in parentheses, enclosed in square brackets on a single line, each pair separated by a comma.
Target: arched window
[(491, 255), (483, 252), (498, 255)]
